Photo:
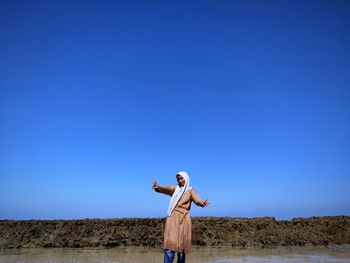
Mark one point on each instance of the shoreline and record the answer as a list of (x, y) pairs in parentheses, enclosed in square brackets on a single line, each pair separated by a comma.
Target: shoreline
[(235, 232)]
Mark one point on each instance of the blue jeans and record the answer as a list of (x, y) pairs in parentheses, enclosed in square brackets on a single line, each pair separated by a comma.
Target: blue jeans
[(169, 256)]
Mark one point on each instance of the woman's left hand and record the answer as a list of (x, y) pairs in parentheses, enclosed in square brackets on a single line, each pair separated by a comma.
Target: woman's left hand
[(206, 203)]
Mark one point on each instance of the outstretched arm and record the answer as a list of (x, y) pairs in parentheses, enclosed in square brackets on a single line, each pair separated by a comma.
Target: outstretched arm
[(198, 201), (168, 190)]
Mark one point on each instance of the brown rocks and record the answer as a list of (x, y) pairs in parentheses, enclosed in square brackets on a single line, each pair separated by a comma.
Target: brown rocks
[(206, 231)]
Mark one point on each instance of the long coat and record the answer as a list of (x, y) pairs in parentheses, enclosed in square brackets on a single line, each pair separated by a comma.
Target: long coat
[(178, 226)]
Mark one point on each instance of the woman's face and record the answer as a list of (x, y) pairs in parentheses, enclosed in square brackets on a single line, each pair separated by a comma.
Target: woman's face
[(180, 180)]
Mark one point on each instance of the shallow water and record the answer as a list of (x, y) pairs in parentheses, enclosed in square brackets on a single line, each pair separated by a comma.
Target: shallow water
[(330, 254)]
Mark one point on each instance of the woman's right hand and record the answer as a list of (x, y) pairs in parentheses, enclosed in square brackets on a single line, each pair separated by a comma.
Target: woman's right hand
[(154, 185)]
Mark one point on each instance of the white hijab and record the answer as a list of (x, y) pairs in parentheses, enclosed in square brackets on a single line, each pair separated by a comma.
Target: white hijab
[(179, 192)]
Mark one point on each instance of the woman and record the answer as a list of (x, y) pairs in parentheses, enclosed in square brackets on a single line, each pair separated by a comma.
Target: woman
[(178, 232)]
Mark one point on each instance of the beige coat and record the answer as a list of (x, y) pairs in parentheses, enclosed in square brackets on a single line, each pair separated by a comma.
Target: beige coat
[(178, 227)]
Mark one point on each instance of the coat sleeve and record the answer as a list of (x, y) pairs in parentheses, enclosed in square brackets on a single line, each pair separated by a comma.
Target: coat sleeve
[(196, 199), (168, 190)]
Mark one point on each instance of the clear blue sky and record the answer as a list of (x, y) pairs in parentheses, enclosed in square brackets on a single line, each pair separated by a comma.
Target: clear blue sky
[(97, 98)]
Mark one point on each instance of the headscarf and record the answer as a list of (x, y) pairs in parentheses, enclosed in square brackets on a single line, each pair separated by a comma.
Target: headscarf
[(179, 192)]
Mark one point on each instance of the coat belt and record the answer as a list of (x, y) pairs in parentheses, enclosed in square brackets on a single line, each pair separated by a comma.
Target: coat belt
[(183, 211)]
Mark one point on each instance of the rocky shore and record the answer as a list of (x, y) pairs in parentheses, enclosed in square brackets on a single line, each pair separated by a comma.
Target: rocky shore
[(206, 231)]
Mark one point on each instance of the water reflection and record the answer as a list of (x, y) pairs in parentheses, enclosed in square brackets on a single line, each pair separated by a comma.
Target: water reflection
[(331, 254)]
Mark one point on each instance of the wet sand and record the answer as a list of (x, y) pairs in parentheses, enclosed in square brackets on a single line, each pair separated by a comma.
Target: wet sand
[(329, 254)]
